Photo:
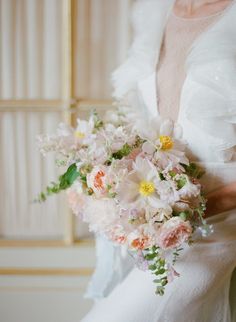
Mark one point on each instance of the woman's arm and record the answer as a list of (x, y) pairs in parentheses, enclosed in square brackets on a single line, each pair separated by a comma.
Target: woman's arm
[(221, 200)]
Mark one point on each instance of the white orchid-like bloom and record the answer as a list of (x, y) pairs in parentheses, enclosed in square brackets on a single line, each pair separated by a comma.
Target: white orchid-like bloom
[(157, 215), (116, 137), (97, 152), (189, 190), (139, 187), (123, 115), (164, 141), (167, 191), (63, 142), (84, 132)]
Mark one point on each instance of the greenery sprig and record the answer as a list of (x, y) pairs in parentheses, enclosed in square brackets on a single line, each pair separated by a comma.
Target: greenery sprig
[(176, 254), (157, 264), (64, 182)]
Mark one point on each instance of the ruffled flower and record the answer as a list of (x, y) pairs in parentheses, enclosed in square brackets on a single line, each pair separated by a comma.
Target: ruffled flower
[(76, 199), (99, 180), (101, 214), (174, 233), (142, 238), (189, 190)]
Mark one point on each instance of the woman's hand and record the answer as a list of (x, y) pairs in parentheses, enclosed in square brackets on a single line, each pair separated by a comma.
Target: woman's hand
[(221, 200)]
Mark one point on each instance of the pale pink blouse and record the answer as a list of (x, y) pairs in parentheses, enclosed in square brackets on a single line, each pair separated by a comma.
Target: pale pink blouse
[(179, 35)]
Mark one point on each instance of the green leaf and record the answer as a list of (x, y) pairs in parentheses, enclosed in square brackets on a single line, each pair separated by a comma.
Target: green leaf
[(164, 281), (157, 281), (172, 174), (161, 176), (160, 290), (161, 271), (67, 179), (152, 267), (181, 182), (123, 152), (184, 215), (150, 256)]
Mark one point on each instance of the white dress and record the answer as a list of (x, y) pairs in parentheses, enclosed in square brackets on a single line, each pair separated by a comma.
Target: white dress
[(200, 294), (204, 292)]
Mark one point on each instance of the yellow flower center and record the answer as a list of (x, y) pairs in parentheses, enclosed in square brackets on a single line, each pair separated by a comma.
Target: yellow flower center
[(79, 135), (146, 188), (166, 142)]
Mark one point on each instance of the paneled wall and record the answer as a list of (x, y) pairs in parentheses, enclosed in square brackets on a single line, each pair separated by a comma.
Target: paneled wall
[(25, 174), (31, 49), (101, 38), (51, 53)]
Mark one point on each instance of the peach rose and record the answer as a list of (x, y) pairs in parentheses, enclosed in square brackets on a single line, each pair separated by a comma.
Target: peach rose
[(174, 233), (97, 180)]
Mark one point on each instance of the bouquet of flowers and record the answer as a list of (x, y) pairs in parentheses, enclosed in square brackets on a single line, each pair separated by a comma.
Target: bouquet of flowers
[(129, 179)]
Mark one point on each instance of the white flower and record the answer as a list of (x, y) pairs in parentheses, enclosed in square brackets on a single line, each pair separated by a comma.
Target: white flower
[(163, 140), (84, 131), (157, 215), (122, 116), (94, 154), (101, 214), (189, 190), (97, 153), (139, 187), (63, 142), (167, 191), (116, 137)]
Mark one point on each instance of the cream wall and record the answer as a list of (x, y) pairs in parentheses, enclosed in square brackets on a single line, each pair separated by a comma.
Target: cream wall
[(54, 55)]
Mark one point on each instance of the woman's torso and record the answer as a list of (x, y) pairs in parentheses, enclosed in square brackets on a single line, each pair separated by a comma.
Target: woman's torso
[(180, 34), (179, 37)]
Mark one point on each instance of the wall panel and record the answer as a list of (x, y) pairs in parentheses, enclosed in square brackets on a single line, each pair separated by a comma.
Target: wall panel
[(34, 37), (25, 174), (101, 39), (31, 49)]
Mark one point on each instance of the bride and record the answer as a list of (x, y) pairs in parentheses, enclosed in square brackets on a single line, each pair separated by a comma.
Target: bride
[(182, 65)]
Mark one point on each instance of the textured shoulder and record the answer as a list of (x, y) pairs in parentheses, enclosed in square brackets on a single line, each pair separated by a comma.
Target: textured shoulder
[(211, 65), (147, 18)]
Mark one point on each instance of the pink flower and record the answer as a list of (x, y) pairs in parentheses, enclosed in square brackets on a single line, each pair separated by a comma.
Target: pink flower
[(100, 214), (97, 180), (174, 233), (76, 200), (141, 238), (117, 234)]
